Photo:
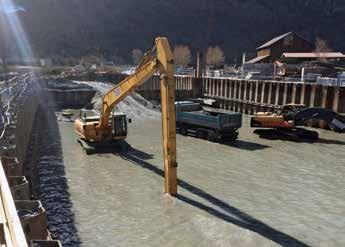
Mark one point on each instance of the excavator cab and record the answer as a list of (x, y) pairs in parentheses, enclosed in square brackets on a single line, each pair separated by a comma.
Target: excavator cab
[(119, 125), (88, 119)]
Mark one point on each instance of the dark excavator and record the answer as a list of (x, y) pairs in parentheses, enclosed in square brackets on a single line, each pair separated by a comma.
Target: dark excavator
[(287, 121)]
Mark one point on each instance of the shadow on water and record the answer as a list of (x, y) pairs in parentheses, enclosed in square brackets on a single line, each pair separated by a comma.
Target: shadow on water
[(272, 134), (328, 141), (220, 209), (245, 145), (52, 186)]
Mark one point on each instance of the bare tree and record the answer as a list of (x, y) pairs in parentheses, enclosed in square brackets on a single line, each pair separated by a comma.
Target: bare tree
[(137, 55), (215, 56), (321, 47), (182, 55)]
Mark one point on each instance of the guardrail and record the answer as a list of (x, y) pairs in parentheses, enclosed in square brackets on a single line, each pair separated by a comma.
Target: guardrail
[(17, 84)]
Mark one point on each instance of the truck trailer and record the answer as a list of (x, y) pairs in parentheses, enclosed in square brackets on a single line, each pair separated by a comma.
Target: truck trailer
[(193, 119)]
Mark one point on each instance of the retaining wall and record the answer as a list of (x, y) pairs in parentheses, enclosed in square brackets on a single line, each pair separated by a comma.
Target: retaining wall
[(186, 87), (25, 218), (251, 96)]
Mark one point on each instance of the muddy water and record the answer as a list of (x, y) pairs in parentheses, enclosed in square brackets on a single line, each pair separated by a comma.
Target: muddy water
[(255, 192)]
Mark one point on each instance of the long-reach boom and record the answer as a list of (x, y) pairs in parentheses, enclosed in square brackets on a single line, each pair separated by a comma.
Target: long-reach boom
[(108, 128)]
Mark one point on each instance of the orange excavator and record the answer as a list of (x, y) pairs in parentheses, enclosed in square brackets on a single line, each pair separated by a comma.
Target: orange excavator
[(108, 129), (287, 121)]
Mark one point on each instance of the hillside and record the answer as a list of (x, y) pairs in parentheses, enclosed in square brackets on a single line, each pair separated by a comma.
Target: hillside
[(115, 27)]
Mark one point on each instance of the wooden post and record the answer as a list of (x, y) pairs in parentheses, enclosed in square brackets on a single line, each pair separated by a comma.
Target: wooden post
[(251, 91)]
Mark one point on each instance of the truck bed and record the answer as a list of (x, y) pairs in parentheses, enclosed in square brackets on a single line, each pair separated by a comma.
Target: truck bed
[(213, 120)]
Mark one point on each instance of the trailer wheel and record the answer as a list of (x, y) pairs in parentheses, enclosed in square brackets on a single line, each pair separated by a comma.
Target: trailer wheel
[(200, 134), (211, 136), (183, 130)]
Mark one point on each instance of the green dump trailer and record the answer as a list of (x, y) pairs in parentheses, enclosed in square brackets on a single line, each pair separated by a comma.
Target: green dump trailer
[(192, 119)]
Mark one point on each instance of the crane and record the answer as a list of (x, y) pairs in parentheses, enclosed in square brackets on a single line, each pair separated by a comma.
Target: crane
[(110, 128)]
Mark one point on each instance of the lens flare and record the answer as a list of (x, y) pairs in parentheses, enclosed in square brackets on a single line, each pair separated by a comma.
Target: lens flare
[(12, 23)]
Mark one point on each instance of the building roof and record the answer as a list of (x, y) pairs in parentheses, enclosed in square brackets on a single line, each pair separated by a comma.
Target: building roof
[(257, 59), (313, 55), (273, 41)]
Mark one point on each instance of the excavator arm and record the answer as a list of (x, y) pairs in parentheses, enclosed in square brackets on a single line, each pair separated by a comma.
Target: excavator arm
[(123, 89), (333, 119)]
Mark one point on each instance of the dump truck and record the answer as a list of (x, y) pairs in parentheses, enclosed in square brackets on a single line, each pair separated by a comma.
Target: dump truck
[(192, 118)]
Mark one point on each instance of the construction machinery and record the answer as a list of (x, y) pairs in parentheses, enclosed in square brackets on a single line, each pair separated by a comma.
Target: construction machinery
[(287, 120), (109, 129), (201, 122)]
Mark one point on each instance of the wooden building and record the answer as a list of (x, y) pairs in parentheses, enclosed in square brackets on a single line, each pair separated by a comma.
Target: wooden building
[(272, 50)]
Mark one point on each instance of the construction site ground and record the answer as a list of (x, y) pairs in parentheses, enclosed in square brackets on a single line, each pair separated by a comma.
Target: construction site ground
[(253, 192)]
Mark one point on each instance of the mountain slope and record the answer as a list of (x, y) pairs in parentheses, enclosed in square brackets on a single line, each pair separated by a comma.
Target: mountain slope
[(64, 27)]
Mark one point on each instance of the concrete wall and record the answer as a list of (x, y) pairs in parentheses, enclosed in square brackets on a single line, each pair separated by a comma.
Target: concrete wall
[(25, 120), (186, 87), (250, 96), (21, 104)]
